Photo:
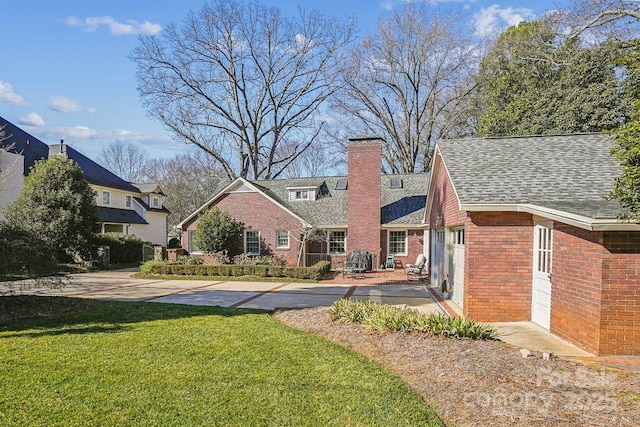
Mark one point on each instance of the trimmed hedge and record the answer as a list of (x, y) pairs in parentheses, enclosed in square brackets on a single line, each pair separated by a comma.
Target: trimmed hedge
[(123, 248), (316, 271)]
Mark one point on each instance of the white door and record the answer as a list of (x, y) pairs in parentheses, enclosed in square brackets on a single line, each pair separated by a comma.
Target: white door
[(437, 258), (456, 265), (542, 261)]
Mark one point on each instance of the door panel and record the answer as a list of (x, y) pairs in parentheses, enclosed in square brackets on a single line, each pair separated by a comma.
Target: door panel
[(542, 263), (456, 265)]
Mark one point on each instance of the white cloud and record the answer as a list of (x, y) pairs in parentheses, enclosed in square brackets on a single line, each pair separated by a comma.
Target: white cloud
[(493, 19), (67, 105), (31, 119), (8, 95), (129, 27)]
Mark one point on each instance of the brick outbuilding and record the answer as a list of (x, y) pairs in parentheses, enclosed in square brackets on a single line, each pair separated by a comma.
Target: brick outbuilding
[(383, 214), (521, 231)]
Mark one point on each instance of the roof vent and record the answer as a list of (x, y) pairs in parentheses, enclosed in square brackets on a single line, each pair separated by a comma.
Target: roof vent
[(395, 183), (341, 184)]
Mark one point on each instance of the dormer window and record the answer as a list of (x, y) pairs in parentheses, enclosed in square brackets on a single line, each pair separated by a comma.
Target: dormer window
[(395, 183), (128, 201), (106, 198), (155, 202), (302, 193)]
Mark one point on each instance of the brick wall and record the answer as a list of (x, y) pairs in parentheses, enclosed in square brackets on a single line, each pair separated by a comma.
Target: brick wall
[(444, 207), (363, 195), (414, 247), (498, 275), (575, 285), (620, 306), (264, 216)]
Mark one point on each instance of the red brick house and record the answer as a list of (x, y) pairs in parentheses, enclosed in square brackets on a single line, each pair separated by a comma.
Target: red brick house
[(521, 231), (381, 213)]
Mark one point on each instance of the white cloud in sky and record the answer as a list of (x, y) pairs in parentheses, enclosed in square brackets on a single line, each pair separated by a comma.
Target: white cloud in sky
[(495, 18), (67, 105), (8, 95), (128, 27), (31, 119)]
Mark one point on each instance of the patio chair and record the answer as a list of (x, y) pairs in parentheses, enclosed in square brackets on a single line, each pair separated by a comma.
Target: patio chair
[(414, 271)]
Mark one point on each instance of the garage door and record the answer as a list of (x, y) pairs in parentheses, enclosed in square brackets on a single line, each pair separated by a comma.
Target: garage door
[(541, 292), (456, 265)]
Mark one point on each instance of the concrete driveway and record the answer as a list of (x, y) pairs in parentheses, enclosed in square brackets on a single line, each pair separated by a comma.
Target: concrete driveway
[(119, 286)]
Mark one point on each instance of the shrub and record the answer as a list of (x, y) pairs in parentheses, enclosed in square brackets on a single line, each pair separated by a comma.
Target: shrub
[(24, 253), (123, 248), (189, 260), (389, 318), (216, 231), (189, 269)]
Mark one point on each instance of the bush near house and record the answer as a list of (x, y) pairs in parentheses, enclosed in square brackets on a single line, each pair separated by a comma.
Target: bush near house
[(124, 248), (315, 272)]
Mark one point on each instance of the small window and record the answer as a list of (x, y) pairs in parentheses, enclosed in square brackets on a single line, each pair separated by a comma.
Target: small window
[(252, 242), (282, 239), (128, 200), (302, 195), (341, 184), (106, 198), (397, 242), (457, 236), (337, 242), (156, 202), (395, 183)]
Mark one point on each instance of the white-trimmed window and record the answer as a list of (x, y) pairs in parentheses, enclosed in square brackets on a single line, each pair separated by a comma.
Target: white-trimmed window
[(397, 242), (337, 242), (155, 202), (252, 242), (128, 201), (282, 239), (106, 198)]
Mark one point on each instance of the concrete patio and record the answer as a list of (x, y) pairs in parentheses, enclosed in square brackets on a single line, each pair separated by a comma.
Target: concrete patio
[(120, 286)]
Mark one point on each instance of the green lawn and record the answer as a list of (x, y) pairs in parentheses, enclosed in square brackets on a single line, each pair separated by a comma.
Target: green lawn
[(152, 364)]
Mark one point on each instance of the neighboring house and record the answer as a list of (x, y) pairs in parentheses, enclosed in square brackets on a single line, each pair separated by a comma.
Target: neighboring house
[(521, 230), (122, 206), (380, 213)]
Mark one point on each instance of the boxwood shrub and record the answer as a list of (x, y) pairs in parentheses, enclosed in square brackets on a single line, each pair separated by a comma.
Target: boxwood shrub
[(316, 271)]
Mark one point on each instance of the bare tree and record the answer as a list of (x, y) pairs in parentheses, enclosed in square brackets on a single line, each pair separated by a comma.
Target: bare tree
[(409, 83), (125, 159), (603, 19), (242, 82), (188, 179)]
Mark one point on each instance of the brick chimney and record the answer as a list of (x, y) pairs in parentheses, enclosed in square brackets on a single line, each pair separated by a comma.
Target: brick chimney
[(364, 162)]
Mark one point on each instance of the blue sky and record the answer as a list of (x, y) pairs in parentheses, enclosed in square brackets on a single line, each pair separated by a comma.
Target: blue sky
[(64, 73)]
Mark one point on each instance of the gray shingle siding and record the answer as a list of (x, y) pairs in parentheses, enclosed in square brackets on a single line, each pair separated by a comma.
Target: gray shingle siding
[(571, 173)]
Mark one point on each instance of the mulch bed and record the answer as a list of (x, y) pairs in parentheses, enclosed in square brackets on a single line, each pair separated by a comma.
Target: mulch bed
[(473, 383)]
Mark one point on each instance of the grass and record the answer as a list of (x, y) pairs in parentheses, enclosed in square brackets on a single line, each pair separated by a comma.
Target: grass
[(150, 364), (224, 278), (385, 317)]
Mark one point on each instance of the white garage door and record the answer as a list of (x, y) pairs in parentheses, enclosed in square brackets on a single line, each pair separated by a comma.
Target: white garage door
[(456, 265), (541, 292)]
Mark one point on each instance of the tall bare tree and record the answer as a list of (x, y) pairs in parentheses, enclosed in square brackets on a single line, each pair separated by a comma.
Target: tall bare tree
[(243, 82), (189, 180), (409, 83), (125, 159)]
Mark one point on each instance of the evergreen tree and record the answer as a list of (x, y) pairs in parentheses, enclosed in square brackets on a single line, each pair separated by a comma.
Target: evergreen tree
[(57, 204)]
